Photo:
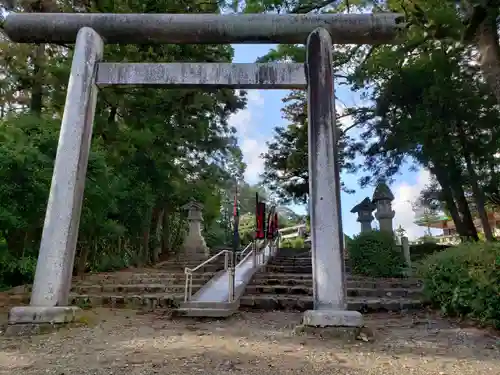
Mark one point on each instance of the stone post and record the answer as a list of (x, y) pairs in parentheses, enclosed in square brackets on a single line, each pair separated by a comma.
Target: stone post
[(194, 244), (324, 189), (54, 269), (364, 211), (405, 244), (382, 198)]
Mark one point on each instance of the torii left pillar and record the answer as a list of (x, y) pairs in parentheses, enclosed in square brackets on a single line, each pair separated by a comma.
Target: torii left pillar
[(52, 284)]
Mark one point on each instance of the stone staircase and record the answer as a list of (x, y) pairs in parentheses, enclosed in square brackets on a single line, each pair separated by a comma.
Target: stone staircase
[(162, 286), (286, 284)]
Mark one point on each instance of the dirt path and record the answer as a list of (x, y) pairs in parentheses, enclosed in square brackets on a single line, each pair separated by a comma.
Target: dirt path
[(123, 342)]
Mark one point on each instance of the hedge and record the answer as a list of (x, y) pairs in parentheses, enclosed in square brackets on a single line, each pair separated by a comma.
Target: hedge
[(464, 281), (375, 254)]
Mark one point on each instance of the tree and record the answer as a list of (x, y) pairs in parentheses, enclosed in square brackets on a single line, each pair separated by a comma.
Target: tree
[(425, 94), (152, 150), (286, 160), (435, 99)]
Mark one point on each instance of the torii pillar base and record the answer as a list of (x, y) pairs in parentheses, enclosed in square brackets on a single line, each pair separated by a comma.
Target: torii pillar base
[(331, 324), (34, 320)]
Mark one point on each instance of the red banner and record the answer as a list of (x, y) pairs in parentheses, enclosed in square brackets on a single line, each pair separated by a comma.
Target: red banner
[(260, 232)]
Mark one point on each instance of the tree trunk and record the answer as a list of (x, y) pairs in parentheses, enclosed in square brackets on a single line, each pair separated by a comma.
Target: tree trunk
[(178, 233), (15, 241), (146, 236), (443, 180), (476, 190), (155, 224), (145, 247), (463, 207), (494, 182), (455, 216), (489, 50), (166, 230), (481, 209), (81, 264), (455, 180), (38, 77)]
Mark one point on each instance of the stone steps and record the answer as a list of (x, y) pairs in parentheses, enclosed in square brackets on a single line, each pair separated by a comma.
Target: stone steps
[(294, 264), (133, 288), (248, 302), (301, 290), (131, 301), (205, 268), (294, 268), (134, 277), (180, 264), (251, 290), (288, 269), (303, 303), (291, 260), (286, 253), (123, 288), (286, 283), (351, 282), (149, 280)]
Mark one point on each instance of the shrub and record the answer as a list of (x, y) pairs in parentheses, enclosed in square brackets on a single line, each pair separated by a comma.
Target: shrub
[(463, 281), (375, 254), (293, 243), (420, 251), (14, 270)]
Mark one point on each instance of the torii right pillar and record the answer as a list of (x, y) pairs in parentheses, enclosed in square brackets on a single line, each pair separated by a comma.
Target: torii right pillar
[(330, 301)]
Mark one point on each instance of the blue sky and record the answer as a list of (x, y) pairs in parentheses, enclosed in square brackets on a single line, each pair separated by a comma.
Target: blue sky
[(255, 127)]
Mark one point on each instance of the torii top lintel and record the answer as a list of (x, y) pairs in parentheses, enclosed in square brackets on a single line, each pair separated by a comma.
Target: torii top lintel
[(376, 28)]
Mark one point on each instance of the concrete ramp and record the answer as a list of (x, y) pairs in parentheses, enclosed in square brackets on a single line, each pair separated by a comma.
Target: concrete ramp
[(212, 298)]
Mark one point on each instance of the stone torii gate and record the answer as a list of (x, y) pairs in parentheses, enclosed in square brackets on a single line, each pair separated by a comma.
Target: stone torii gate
[(49, 299)]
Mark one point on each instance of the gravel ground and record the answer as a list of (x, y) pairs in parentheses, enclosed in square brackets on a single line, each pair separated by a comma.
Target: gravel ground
[(126, 342)]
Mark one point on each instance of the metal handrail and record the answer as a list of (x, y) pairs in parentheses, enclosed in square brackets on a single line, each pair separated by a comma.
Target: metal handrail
[(239, 254), (247, 256), (191, 270), (188, 290)]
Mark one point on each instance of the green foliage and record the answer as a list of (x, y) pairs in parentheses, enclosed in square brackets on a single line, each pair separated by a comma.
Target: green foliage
[(15, 270), (375, 254), (285, 161), (153, 150), (293, 243), (428, 239), (215, 236), (463, 281), (420, 251), (423, 93)]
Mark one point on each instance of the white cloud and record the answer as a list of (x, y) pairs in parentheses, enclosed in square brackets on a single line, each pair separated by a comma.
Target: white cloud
[(243, 121), (255, 98), (404, 195), (255, 164)]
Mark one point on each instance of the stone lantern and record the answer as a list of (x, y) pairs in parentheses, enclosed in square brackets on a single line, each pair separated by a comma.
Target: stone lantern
[(364, 211), (194, 244), (382, 198)]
